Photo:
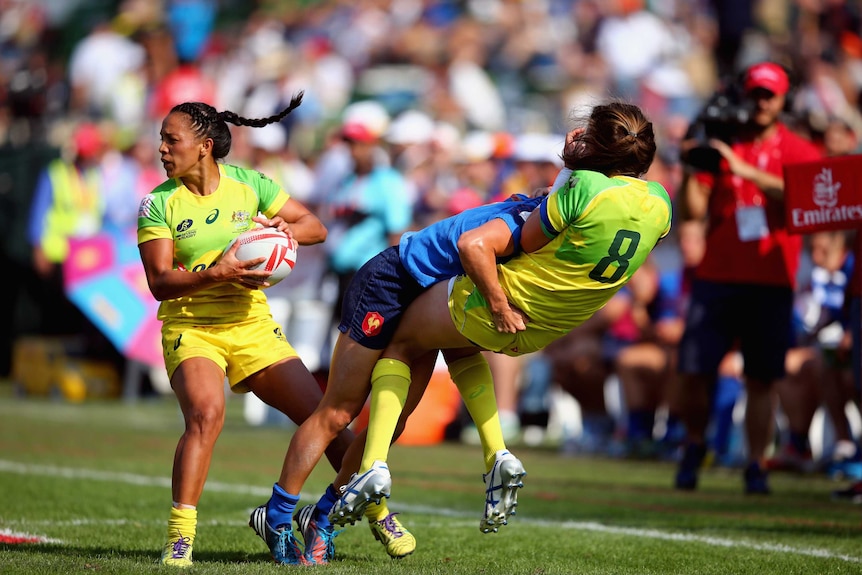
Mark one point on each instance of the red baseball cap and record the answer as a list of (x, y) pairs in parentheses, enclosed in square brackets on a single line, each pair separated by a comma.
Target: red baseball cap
[(768, 76), (88, 140), (358, 133)]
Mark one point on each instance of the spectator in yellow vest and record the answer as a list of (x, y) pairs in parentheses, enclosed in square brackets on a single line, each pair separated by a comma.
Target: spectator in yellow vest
[(67, 201)]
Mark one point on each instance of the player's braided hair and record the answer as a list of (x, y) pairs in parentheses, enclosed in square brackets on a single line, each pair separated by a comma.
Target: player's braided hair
[(618, 141), (207, 122)]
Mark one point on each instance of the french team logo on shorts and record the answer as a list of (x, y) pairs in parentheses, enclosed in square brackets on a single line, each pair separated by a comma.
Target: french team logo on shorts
[(372, 323)]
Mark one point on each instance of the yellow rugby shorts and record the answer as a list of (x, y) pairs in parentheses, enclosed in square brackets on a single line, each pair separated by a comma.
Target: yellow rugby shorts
[(471, 316), (240, 349)]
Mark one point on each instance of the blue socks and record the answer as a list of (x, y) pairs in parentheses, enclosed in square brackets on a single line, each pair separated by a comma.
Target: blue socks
[(279, 508), (324, 505)]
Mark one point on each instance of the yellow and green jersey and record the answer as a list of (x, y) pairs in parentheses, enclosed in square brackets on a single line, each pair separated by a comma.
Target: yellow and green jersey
[(201, 227), (602, 229)]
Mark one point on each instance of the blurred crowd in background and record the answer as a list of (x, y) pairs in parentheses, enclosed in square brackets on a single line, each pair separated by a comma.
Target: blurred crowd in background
[(461, 103)]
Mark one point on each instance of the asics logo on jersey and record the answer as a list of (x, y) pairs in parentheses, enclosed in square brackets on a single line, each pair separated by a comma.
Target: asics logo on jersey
[(184, 225), (372, 323), (177, 342), (213, 216)]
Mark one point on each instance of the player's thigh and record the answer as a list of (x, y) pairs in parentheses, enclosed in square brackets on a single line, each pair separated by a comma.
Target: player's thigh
[(427, 325), (349, 381), (287, 386), (198, 383)]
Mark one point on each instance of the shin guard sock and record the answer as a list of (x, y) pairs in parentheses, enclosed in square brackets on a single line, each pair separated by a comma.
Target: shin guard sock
[(390, 382), (473, 378)]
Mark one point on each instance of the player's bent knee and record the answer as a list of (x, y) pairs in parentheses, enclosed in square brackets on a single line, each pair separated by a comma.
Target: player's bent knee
[(338, 420)]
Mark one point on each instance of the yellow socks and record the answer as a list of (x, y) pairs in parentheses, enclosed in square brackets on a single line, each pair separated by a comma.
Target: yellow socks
[(182, 526), (473, 378), (390, 382), (376, 511)]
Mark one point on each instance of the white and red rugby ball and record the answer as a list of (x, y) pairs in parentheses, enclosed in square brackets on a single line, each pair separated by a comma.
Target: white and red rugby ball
[(278, 249)]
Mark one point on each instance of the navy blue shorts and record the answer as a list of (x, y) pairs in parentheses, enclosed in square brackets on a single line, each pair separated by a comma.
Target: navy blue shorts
[(376, 298), (758, 318)]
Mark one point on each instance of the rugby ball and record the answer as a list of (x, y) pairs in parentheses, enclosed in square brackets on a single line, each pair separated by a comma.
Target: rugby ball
[(278, 249)]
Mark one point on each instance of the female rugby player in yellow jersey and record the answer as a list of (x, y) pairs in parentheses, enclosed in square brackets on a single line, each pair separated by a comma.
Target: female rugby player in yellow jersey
[(579, 247), (216, 321)]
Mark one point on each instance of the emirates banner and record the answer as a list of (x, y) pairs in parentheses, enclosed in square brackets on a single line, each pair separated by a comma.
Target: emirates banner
[(824, 195)]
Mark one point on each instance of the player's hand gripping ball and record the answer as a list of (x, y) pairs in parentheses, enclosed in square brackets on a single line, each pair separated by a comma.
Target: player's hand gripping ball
[(277, 247)]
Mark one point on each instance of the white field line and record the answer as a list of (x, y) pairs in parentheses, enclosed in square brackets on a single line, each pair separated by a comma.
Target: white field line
[(144, 480)]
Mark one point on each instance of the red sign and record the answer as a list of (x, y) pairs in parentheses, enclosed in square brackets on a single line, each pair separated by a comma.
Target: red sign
[(823, 195)]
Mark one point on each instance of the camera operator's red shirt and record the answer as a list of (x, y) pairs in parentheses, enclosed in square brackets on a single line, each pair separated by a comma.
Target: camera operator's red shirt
[(769, 260)]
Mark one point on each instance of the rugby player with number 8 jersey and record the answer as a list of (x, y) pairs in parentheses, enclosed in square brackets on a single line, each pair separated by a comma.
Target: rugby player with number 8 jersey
[(576, 250)]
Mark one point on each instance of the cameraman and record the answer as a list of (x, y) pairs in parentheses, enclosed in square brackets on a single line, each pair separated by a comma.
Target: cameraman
[(743, 288)]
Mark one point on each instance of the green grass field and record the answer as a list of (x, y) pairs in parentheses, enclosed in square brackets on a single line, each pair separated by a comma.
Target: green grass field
[(94, 479)]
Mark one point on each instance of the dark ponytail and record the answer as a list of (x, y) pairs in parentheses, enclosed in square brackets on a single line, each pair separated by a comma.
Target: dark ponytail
[(207, 122)]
